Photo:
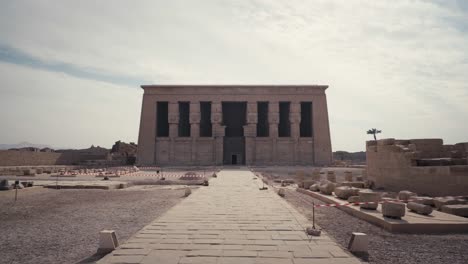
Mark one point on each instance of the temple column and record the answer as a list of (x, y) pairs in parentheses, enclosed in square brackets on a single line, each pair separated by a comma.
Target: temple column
[(273, 121), (194, 129), (173, 118), (250, 132), (218, 132), (295, 120)]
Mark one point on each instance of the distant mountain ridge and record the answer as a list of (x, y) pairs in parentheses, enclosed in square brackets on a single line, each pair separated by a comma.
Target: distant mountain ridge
[(23, 145)]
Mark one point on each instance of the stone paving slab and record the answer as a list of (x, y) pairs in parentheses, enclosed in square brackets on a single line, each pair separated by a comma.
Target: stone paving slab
[(230, 221)]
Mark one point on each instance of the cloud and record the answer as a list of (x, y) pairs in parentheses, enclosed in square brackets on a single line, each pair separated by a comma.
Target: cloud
[(399, 66)]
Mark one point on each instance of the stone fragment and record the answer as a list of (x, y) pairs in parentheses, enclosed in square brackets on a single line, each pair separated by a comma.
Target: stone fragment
[(441, 201), (331, 176), (327, 188), (419, 208), (391, 195), (107, 241), (393, 209), (281, 192), (348, 176), (456, 209), (188, 191), (5, 185), (344, 192), (359, 243), (406, 195), (424, 200), (29, 172), (372, 198), (353, 199), (307, 183), (314, 187)]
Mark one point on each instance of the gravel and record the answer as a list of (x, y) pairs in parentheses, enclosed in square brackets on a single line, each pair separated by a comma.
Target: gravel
[(62, 226), (384, 247)]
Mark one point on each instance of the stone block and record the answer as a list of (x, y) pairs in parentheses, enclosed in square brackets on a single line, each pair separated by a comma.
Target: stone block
[(419, 208), (307, 183), (344, 192), (107, 241), (314, 187), (441, 201), (393, 209), (29, 172), (5, 185), (353, 199), (424, 200), (327, 188), (372, 198), (359, 243), (281, 192), (457, 209), (188, 191), (405, 195)]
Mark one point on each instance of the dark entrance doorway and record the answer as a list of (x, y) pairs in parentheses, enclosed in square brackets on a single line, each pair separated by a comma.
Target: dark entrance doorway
[(234, 160), (234, 118)]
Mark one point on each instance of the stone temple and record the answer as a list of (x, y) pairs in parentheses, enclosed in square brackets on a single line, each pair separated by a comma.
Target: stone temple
[(234, 125)]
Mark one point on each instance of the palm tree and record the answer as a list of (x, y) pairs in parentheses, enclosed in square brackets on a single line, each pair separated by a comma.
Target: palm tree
[(374, 132)]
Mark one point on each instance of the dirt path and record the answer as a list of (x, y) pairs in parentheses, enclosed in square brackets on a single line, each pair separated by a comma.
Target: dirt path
[(62, 226), (384, 247)]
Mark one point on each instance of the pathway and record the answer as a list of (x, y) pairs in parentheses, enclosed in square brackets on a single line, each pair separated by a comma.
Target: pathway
[(231, 221)]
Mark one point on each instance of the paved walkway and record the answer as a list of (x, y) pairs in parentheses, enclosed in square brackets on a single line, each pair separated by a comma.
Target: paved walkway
[(231, 221)]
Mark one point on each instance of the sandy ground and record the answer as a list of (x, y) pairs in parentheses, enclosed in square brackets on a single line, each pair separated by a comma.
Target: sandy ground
[(384, 247), (62, 226)]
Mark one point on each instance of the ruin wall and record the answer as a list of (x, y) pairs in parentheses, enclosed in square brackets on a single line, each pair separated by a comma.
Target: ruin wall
[(424, 166)]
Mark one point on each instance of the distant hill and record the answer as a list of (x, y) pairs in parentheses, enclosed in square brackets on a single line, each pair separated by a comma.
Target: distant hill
[(23, 145), (355, 157)]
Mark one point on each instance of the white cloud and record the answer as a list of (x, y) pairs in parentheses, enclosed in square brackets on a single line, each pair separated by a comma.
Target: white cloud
[(396, 65)]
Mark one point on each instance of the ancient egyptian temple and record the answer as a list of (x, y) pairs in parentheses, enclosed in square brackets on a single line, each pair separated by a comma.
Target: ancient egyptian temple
[(234, 125)]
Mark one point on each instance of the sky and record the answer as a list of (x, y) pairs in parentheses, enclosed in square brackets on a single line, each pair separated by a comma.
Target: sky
[(70, 71)]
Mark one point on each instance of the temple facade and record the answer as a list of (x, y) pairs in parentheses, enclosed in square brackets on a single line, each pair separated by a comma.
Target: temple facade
[(234, 125)]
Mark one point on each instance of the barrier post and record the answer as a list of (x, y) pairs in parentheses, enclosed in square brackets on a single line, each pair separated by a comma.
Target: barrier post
[(313, 215)]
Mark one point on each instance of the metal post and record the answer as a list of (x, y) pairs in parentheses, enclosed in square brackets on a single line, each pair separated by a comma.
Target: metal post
[(313, 215)]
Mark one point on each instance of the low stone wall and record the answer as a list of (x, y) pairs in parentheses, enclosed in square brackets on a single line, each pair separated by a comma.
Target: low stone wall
[(392, 164), (30, 158)]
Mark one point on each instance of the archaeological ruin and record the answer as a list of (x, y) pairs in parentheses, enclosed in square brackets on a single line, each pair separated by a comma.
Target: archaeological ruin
[(234, 125), (424, 166)]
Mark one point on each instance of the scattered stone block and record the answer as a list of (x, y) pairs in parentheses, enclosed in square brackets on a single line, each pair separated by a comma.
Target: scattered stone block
[(405, 195), (359, 178), (306, 184), (393, 209), (107, 241), (5, 185), (344, 192), (456, 209), (316, 175), (359, 243), (39, 171), (441, 201), (353, 199), (314, 187), (424, 200), (372, 198), (419, 208), (327, 188), (188, 191), (281, 192)]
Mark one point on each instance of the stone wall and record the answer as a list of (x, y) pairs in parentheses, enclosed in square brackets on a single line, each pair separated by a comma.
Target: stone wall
[(424, 166), (33, 158)]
